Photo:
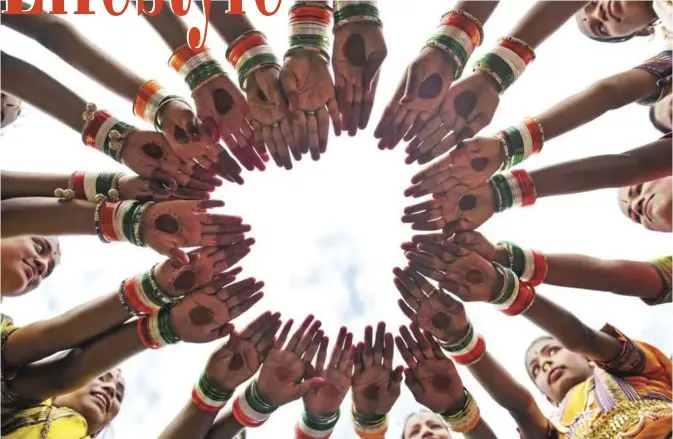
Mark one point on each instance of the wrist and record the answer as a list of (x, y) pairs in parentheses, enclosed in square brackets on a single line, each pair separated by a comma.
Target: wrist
[(466, 417), (505, 63), (520, 142), (466, 350), (311, 426), (457, 405), (310, 29), (120, 220), (209, 396), (356, 12), (368, 426), (500, 256), (104, 132), (156, 330), (252, 408), (249, 53)]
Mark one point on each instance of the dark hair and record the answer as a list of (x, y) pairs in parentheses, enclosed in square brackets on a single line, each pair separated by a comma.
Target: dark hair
[(411, 415), (656, 123), (525, 363)]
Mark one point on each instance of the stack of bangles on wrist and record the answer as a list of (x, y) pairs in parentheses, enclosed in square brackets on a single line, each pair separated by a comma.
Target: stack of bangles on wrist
[(315, 427), (252, 409), (86, 185), (466, 418), (458, 34), (104, 132), (514, 188), (141, 294), (369, 426), (155, 329), (529, 265), (119, 220), (468, 350), (208, 397), (506, 62), (356, 12), (310, 28), (150, 101), (521, 141), (249, 53), (516, 296), (197, 66)]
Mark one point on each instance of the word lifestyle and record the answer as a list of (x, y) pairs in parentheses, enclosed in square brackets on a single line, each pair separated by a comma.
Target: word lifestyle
[(151, 8)]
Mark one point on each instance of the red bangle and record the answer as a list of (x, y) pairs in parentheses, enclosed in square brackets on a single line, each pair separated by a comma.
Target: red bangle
[(524, 53), (536, 133), (244, 45), (141, 333), (541, 269), (143, 97), (92, 127), (523, 301), (528, 194), (464, 24), (78, 185), (474, 355)]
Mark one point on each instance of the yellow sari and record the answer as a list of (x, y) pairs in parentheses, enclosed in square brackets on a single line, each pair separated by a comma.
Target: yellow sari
[(629, 397), (26, 419)]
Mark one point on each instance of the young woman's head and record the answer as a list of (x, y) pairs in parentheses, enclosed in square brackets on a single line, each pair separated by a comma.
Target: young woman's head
[(616, 20), (10, 108), (554, 369), (649, 204), (25, 261), (661, 114), (98, 402), (425, 425)]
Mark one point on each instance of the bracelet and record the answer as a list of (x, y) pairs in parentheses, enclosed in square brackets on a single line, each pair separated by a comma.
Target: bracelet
[(197, 66), (249, 53), (525, 297), (309, 27), (142, 295), (356, 12), (252, 409), (529, 265), (457, 35), (104, 132), (315, 427), (464, 419), (119, 220), (521, 141), (151, 99), (86, 185), (663, 267), (155, 330), (509, 290), (506, 62), (207, 396), (514, 188), (468, 350), (369, 426)]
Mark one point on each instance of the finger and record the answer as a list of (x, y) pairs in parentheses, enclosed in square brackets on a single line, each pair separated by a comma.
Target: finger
[(296, 337), (419, 280), (280, 341), (257, 134), (264, 327), (286, 131), (253, 157), (367, 106), (408, 299), (371, 70), (205, 176), (333, 110), (185, 193), (255, 326), (359, 363), (422, 207), (356, 109), (417, 126), (266, 342), (288, 82), (440, 148), (314, 347), (423, 344), (338, 348), (323, 129), (378, 343), (347, 355), (227, 166), (234, 289), (396, 380), (436, 349), (411, 315), (304, 387), (267, 135), (403, 349), (241, 308), (300, 130), (176, 255), (313, 138), (164, 178), (368, 351), (308, 337), (397, 120), (388, 351), (407, 283), (414, 77), (430, 142), (281, 147), (242, 294), (402, 128), (322, 355), (411, 344)]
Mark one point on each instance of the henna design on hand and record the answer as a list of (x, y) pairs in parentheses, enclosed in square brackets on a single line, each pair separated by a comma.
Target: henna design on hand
[(464, 103), (354, 50), (224, 102), (431, 87), (167, 223), (201, 316)]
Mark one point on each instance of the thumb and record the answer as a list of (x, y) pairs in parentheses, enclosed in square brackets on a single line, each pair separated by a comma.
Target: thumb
[(191, 124), (371, 70), (288, 81), (178, 256), (413, 81), (396, 379), (305, 386)]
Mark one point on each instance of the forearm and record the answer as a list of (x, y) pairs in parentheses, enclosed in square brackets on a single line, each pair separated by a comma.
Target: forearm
[(191, 422), (225, 426), (41, 339), (36, 87), (228, 26), (628, 278), (481, 431), (481, 10), (169, 26), (46, 216), (25, 184), (605, 95), (62, 39), (647, 163), (571, 332), (543, 19)]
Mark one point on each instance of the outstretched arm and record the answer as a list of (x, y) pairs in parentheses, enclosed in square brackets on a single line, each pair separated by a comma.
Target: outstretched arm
[(543, 19), (26, 216)]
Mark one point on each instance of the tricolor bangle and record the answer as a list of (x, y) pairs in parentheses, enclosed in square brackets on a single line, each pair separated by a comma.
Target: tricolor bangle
[(155, 330), (315, 427), (86, 185), (252, 409), (458, 34), (514, 188), (249, 53), (464, 419), (369, 426), (468, 350), (356, 12), (150, 102), (310, 28), (529, 265), (207, 396), (523, 300), (506, 62), (119, 221), (197, 66), (142, 294), (104, 132), (521, 141)]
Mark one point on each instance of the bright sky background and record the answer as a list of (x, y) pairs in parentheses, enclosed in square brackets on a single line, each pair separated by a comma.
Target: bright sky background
[(328, 232)]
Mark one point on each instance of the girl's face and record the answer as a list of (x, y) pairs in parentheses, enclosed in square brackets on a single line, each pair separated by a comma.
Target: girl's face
[(10, 108), (606, 19), (649, 204), (554, 369), (98, 402), (25, 261), (426, 425)]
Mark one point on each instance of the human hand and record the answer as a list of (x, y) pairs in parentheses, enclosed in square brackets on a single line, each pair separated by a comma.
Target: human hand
[(417, 97), (308, 86), (467, 166), (467, 108), (326, 400), (280, 380), (376, 386), (358, 53), (241, 356), (132, 187), (169, 225)]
